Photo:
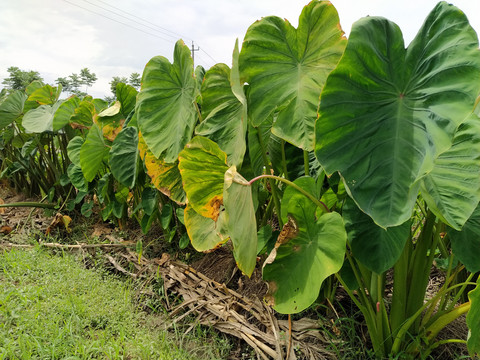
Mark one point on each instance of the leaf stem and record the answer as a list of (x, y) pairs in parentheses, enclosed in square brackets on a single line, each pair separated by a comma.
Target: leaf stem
[(306, 162), (273, 186), (29, 204), (295, 186)]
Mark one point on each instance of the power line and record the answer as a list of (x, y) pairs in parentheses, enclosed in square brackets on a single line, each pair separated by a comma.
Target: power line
[(204, 61), (215, 61), (120, 22), (148, 22), (129, 19), (144, 20), (139, 29)]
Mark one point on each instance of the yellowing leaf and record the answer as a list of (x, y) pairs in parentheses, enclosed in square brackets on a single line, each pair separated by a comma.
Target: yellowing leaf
[(165, 177)]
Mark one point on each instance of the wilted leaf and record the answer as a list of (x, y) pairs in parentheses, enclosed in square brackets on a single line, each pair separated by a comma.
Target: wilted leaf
[(240, 220), (202, 165), (204, 233)]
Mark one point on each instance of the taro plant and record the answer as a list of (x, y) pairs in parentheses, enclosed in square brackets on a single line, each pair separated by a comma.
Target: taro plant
[(398, 125), (105, 156), (34, 155), (364, 151)]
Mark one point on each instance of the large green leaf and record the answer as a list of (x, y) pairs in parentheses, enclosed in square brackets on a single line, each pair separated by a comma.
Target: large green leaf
[(40, 119), (165, 176), (11, 108), (45, 95), (202, 165), (287, 68), (111, 121), (473, 319), (127, 96), (65, 112), (124, 156), (73, 149), (76, 177), (308, 250), (204, 233), (466, 243), (452, 188), (375, 247), (165, 108), (92, 152), (225, 117), (290, 196), (240, 220), (83, 115), (386, 113)]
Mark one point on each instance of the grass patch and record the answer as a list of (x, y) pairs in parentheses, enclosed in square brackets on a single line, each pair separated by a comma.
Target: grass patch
[(53, 308)]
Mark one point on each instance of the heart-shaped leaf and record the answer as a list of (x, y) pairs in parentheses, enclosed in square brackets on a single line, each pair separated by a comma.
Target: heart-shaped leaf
[(73, 149), (202, 165), (11, 108), (76, 177), (315, 251), (452, 188), (45, 95), (83, 115), (40, 119), (127, 96), (165, 108), (124, 156), (308, 250), (225, 117), (92, 153), (65, 112), (165, 177), (286, 69), (386, 113)]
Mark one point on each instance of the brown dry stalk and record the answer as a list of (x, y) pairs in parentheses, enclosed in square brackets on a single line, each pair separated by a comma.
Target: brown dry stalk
[(228, 311), (217, 306)]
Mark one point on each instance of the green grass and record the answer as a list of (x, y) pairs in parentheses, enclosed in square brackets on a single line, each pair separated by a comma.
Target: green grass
[(53, 308)]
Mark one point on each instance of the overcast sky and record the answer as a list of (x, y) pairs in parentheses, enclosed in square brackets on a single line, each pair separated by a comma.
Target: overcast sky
[(118, 37)]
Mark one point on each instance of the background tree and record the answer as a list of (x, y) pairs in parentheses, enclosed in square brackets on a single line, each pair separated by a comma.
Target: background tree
[(66, 86), (115, 81), (87, 78), (19, 79), (73, 82), (135, 80)]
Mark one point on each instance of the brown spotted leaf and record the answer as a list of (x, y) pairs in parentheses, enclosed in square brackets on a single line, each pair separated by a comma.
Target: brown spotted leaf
[(202, 165)]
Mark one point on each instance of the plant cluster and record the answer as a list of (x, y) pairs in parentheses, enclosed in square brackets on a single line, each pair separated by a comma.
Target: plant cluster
[(362, 155)]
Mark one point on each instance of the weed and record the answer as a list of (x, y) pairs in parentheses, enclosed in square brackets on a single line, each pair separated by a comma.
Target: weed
[(51, 307)]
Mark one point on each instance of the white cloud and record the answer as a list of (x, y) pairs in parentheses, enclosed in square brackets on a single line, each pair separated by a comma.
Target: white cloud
[(58, 37)]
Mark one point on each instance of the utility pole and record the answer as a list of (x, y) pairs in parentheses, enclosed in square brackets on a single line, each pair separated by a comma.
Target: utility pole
[(193, 52)]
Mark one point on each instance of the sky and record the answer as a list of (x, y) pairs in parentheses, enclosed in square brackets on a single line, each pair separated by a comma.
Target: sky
[(118, 37)]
